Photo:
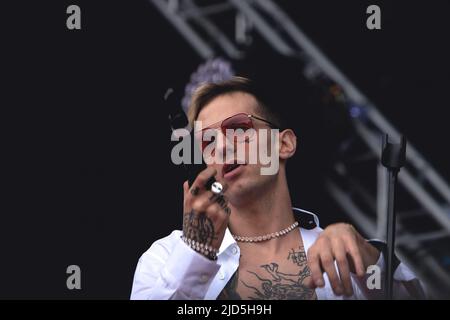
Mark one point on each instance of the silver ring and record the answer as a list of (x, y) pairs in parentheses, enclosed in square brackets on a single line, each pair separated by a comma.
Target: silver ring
[(216, 188)]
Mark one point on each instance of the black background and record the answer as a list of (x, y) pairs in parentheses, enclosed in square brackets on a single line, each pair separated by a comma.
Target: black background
[(88, 178)]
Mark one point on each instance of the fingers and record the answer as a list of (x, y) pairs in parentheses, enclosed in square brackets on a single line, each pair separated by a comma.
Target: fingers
[(199, 197), (320, 263), (203, 203), (354, 252), (205, 214), (202, 179), (309, 283), (334, 256), (199, 184), (327, 262), (212, 204), (316, 270), (185, 188), (340, 254), (221, 201)]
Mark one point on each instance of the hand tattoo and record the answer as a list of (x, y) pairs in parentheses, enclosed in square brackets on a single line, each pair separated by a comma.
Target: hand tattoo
[(222, 201), (195, 191), (199, 227)]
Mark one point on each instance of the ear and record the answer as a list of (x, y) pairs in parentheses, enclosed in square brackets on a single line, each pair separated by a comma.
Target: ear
[(288, 144)]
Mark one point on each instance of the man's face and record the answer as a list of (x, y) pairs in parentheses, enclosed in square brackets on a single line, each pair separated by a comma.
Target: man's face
[(244, 180)]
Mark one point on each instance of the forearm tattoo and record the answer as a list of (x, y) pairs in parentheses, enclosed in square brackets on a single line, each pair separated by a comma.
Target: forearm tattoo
[(199, 227)]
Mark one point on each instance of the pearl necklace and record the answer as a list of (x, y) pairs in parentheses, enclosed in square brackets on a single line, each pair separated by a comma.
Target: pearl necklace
[(267, 236)]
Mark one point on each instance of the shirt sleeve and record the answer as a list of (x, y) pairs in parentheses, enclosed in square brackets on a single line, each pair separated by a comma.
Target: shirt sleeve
[(172, 271), (405, 285)]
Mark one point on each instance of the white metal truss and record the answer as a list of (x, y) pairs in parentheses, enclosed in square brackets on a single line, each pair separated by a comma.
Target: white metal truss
[(196, 22)]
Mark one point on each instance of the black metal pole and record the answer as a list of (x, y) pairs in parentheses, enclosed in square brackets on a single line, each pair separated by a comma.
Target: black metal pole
[(393, 158), (390, 235)]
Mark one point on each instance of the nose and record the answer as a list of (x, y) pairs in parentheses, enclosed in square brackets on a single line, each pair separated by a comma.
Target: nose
[(223, 146)]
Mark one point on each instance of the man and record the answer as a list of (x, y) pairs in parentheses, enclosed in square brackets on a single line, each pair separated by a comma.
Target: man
[(247, 242)]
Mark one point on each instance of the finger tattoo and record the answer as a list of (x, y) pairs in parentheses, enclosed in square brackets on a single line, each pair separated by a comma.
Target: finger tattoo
[(195, 190)]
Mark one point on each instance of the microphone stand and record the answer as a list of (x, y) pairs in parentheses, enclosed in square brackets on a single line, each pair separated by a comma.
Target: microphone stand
[(393, 157)]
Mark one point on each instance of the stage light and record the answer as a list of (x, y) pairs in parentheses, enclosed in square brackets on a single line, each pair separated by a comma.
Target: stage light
[(212, 71)]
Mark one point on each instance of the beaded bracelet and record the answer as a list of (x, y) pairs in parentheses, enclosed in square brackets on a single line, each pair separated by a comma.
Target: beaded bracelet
[(204, 249)]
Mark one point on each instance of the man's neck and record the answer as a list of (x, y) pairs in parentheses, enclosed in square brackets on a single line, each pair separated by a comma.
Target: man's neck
[(270, 212)]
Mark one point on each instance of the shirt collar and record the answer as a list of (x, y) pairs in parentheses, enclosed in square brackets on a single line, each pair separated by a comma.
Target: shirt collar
[(306, 220)]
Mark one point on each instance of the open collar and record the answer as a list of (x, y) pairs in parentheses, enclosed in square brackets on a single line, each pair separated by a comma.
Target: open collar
[(308, 223)]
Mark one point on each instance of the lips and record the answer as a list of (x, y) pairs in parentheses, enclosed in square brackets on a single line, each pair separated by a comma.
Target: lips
[(229, 168)]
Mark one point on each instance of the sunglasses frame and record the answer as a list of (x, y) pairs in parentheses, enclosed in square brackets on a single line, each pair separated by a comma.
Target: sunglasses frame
[(251, 116)]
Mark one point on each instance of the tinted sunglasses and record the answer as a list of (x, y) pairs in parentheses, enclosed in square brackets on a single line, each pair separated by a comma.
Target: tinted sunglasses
[(242, 121)]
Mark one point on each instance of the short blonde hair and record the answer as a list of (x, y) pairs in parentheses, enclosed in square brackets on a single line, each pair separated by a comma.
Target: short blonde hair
[(207, 92)]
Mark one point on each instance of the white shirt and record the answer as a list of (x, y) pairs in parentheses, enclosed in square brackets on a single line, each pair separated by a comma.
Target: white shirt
[(170, 269)]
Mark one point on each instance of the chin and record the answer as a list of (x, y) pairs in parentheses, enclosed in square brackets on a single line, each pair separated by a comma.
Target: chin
[(242, 191), (248, 186)]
